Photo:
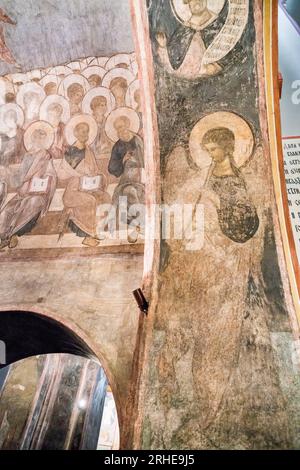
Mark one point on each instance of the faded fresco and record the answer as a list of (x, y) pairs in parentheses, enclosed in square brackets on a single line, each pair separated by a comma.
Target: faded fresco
[(71, 140), (221, 329)]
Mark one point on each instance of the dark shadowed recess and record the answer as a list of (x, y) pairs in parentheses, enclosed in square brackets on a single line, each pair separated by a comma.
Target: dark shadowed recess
[(27, 334)]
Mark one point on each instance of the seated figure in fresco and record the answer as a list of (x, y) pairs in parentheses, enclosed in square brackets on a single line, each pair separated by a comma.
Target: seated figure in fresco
[(127, 163), (86, 186), (37, 184), (12, 148), (102, 146), (75, 94)]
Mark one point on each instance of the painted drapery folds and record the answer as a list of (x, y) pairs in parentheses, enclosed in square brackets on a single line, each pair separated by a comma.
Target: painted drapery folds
[(71, 139), (221, 352)]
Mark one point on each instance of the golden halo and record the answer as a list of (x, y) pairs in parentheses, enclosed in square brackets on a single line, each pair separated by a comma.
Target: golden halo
[(94, 70), (59, 100), (183, 13), (27, 88), (117, 73), (133, 87), (120, 112), (244, 140), (43, 125), (69, 80), (11, 107), (81, 118), (98, 91)]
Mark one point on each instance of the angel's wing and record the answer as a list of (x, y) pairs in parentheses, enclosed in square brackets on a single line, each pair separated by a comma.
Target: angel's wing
[(231, 32)]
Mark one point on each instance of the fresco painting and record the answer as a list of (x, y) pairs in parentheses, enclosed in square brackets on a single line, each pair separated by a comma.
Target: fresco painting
[(71, 145), (212, 360), (88, 123)]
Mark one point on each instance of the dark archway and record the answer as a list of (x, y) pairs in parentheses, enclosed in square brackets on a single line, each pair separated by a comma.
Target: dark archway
[(27, 334), (69, 381)]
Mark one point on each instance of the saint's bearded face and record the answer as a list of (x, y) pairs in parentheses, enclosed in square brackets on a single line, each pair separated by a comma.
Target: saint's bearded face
[(82, 132), (122, 126), (197, 7), (38, 139)]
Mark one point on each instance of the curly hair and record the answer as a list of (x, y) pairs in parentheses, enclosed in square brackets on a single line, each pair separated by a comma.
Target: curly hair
[(223, 137)]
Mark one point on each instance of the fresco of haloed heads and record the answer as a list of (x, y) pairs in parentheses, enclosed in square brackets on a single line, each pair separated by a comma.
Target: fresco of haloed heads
[(71, 146), (213, 351)]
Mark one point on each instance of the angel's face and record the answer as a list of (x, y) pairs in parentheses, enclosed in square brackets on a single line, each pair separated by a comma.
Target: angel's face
[(216, 152)]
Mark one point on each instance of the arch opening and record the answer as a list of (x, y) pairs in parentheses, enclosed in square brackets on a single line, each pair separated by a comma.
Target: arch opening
[(54, 391)]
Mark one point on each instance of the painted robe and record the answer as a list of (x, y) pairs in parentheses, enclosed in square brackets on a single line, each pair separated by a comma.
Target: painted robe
[(184, 50), (12, 148), (226, 337), (59, 145), (81, 205), (130, 172), (20, 214), (102, 148)]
